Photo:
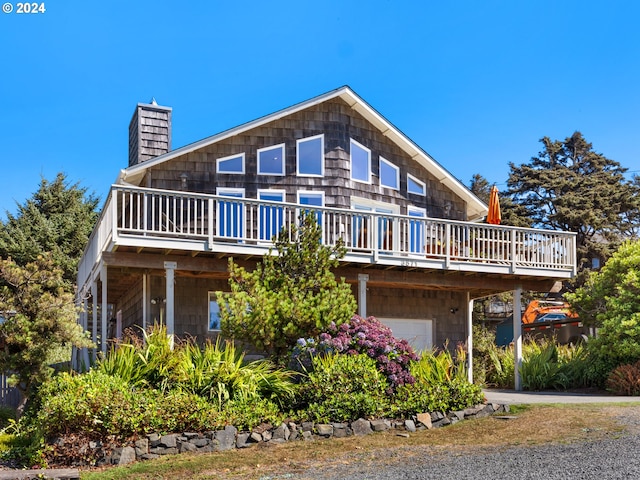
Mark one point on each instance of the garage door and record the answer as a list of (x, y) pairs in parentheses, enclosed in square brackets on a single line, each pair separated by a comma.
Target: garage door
[(417, 332)]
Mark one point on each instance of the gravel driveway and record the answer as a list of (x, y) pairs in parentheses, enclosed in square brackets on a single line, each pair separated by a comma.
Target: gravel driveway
[(613, 457)]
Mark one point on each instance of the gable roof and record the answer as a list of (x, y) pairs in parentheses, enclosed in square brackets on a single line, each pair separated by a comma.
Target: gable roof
[(475, 207)]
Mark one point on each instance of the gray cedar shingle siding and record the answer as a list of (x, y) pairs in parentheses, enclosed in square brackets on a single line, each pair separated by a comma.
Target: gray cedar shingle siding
[(149, 133), (339, 123)]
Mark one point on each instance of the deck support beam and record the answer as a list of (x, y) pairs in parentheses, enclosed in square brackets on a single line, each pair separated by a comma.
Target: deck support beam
[(517, 337), (104, 309), (469, 338), (170, 268), (362, 294)]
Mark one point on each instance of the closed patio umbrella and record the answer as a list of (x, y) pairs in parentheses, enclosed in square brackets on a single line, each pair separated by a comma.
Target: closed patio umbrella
[(494, 216)]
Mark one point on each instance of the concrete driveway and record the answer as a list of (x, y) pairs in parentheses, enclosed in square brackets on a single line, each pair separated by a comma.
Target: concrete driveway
[(511, 397)]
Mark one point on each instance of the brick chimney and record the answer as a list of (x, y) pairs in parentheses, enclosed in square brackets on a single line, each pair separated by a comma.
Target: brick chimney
[(149, 132)]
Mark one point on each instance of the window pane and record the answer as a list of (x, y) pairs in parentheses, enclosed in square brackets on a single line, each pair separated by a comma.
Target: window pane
[(388, 174), (214, 313), (360, 163), (310, 156), (271, 161), (271, 217), (416, 232), (231, 165), (415, 186)]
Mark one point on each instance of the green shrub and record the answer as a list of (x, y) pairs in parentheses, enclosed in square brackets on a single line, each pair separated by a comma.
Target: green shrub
[(420, 397), (220, 375), (6, 414), (344, 387)]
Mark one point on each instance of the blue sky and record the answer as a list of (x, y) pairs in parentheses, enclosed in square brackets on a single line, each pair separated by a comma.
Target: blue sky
[(476, 84)]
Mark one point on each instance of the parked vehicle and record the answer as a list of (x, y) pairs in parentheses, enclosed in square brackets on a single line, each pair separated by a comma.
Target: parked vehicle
[(545, 318)]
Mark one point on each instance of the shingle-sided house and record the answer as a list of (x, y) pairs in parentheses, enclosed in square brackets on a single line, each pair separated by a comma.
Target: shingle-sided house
[(419, 251)]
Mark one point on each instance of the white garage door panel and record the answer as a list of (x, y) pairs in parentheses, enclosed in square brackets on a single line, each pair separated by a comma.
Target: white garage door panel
[(417, 332)]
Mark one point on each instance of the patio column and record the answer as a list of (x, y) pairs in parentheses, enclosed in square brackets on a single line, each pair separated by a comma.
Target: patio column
[(517, 337), (94, 317), (362, 294), (145, 301), (170, 268), (469, 338), (104, 310)]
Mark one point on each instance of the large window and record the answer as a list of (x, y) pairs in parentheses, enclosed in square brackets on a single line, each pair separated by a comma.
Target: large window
[(230, 164), (230, 213), (389, 174), (310, 153), (271, 160), (415, 186), (313, 199), (416, 230), (270, 217), (364, 230), (360, 162), (214, 313)]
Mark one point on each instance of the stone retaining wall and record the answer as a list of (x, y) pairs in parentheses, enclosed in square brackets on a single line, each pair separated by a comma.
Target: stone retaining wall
[(155, 446)]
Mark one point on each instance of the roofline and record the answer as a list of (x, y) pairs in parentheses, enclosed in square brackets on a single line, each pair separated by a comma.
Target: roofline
[(475, 207)]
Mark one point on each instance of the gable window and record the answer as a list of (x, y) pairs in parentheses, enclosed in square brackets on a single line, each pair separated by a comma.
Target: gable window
[(230, 213), (415, 186), (360, 162), (214, 313), (270, 217), (389, 174), (310, 156), (271, 160), (230, 164)]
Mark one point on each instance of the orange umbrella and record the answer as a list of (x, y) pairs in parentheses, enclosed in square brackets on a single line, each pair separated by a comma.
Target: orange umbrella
[(494, 216)]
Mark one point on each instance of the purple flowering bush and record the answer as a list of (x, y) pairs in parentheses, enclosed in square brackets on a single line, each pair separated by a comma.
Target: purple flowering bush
[(361, 335)]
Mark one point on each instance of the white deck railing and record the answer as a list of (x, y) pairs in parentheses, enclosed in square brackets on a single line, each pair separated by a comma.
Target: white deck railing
[(175, 220)]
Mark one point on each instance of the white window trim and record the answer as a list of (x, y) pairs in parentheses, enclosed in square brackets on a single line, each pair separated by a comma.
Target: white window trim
[(222, 191), (394, 167), (353, 142), (215, 299), (419, 182), (270, 190), (421, 211), (315, 193), (229, 157), (273, 147), (302, 140), (374, 204)]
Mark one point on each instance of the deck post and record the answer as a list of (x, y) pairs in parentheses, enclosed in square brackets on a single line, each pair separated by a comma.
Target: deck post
[(517, 337), (170, 268), (94, 316), (469, 338), (362, 294), (104, 310)]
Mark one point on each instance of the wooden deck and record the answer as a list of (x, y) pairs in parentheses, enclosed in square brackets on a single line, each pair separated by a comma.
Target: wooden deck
[(175, 221)]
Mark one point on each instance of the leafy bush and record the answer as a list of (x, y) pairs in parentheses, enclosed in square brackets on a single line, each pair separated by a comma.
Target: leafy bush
[(625, 380), (6, 414), (366, 336), (343, 388), (220, 375), (540, 368), (609, 300)]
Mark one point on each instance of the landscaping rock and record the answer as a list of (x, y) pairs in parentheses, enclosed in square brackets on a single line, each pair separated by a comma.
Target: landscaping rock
[(282, 432), (458, 415), (169, 441), (324, 430), (426, 419), (379, 425), (226, 438), (256, 437), (307, 436), (307, 426), (361, 427), (187, 447), (242, 439), (123, 456), (154, 439), (141, 446), (443, 422), (340, 430), (435, 416), (410, 425)]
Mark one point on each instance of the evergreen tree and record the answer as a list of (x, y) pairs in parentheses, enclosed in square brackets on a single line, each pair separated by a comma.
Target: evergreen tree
[(57, 220), (291, 294), (570, 187), (512, 214), (39, 320)]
